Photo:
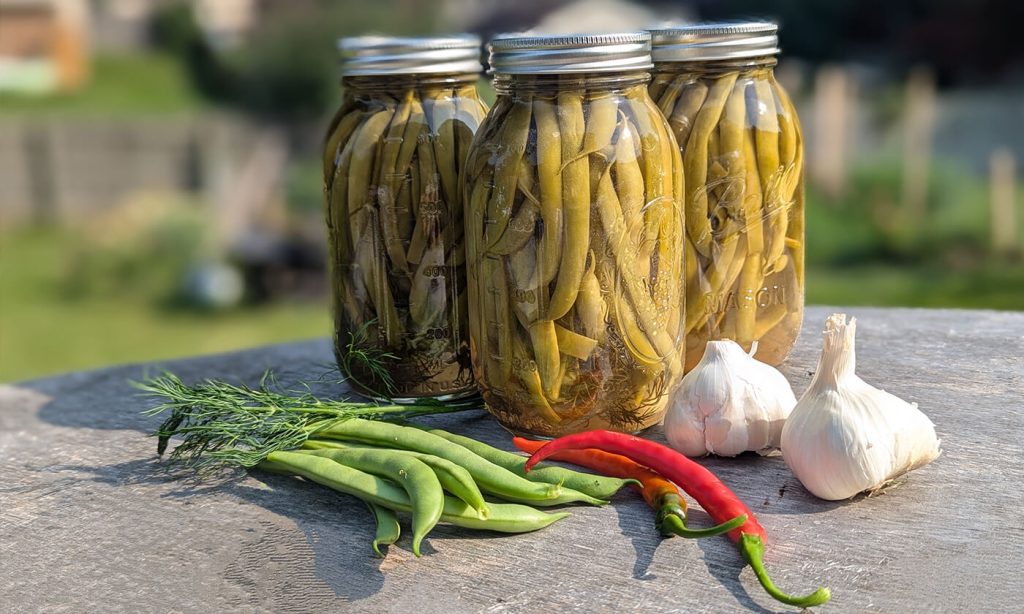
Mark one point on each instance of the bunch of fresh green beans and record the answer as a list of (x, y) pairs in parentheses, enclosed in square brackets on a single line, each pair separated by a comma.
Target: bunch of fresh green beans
[(405, 469), (573, 191), (392, 160), (743, 164)]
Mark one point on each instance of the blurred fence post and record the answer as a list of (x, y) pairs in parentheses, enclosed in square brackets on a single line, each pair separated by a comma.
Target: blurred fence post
[(38, 147), (253, 194), (1005, 236), (831, 122), (918, 128)]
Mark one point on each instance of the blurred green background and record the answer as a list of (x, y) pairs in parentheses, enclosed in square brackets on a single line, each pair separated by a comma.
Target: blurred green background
[(159, 182)]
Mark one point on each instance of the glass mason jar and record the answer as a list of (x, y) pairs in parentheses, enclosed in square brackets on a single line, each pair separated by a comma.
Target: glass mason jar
[(392, 160), (743, 165), (574, 238)]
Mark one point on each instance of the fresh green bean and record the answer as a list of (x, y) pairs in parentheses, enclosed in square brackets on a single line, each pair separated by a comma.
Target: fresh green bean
[(489, 477), (597, 486), (452, 477), (388, 530), (411, 474), (504, 517)]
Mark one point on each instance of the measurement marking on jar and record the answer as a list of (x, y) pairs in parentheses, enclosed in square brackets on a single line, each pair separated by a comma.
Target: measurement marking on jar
[(524, 296), (438, 270)]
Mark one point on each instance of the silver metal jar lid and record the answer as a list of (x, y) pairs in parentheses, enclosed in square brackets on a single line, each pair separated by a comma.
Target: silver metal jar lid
[(390, 55), (715, 41), (524, 54)]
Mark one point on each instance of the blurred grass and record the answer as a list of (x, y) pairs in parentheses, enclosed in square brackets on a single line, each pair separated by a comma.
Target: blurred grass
[(995, 286), (141, 83), (44, 331), (46, 328)]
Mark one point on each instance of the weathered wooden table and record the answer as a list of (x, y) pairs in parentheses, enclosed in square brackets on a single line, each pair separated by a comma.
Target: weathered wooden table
[(90, 523)]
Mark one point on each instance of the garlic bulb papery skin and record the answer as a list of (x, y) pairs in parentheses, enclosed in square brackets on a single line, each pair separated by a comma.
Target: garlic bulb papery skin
[(729, 403), (846, 436)]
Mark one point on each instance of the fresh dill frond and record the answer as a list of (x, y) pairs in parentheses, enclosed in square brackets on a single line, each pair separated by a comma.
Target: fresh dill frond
[(227, 425), (361, 356)]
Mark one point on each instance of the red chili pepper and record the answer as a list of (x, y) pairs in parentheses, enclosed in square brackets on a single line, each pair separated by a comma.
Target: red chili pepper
[(662, 495), (715, 497)]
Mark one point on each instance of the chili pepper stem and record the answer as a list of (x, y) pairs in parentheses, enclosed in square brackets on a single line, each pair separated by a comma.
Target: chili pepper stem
[(752, 549), (672, 524)]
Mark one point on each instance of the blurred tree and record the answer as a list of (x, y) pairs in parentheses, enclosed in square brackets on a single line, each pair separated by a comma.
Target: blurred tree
[(174, 30), (286, 68), (963, 40)]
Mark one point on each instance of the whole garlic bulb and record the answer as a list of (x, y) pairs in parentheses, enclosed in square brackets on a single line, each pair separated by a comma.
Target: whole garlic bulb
[(846, 436), (729, 403)]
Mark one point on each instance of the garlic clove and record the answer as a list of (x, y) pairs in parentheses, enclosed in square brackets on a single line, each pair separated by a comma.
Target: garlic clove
[(845, 436)]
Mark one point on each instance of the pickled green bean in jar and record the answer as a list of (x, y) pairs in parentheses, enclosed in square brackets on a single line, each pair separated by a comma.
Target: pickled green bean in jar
[(392, 161), (574, 235), (743, 167)]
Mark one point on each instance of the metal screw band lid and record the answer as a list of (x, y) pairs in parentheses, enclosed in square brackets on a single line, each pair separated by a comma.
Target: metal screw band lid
[(715, 41), (390, 55), (526, 54)]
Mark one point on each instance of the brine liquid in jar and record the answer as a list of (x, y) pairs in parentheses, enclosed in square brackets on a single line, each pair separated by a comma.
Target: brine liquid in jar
[(743, 167), (393, 156), (574, 238)]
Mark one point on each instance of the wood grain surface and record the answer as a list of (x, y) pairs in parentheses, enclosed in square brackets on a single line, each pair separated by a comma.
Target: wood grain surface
[(90, 522)]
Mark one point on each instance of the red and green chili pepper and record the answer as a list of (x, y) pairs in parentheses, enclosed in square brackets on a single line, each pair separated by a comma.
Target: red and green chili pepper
[(661, 494), (715, 497)]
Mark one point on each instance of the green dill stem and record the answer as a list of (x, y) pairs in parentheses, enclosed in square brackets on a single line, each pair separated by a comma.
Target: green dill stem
[(221, 424)]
